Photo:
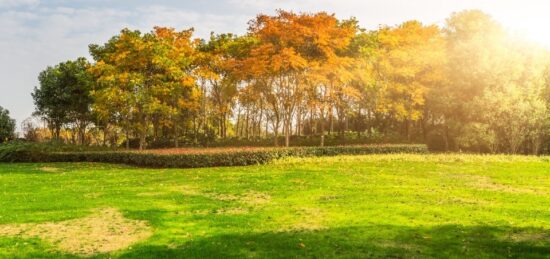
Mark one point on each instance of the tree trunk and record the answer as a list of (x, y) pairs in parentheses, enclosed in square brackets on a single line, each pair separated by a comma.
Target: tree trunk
[(105, 136), (141, 141), (238, 122), (408, 130), (331, 118), (247, 124), (322, 130), (176, 135), (287, 134), (447, 140), (143, 132), (127, 139), (276, 131)]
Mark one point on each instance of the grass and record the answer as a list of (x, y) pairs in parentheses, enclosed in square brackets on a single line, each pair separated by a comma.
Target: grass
[(417, 206)]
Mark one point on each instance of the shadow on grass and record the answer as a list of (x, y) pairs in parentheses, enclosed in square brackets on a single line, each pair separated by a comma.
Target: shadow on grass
[(360, 242)]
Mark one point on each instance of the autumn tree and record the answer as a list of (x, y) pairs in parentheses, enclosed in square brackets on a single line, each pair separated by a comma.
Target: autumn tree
[(308, 73), (289, 46), (143, 75), (411, 62)]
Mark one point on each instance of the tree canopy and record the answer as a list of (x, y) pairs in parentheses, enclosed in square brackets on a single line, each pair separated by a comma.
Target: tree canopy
[(466, 85), (7, 126)]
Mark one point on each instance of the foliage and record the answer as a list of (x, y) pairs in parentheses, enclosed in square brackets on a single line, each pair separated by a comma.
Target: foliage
[(466, 85), (64, 96), (7, 126), (493, 93), (146, 77), (36, 152), (200, 158)]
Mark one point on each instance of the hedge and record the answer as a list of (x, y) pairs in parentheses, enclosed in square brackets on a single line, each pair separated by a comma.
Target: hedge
[(235, 158)]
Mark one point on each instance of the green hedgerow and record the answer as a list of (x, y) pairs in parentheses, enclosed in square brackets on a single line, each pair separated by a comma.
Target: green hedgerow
[(39, 153)]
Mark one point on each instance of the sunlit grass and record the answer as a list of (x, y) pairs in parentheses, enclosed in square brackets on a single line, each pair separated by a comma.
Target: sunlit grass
[(398, 205)]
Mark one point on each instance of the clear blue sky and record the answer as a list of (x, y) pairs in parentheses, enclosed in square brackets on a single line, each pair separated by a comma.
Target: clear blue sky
[(38, 33)]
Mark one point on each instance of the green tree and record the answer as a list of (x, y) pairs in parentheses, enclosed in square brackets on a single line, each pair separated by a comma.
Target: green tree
[(7, 126), (217, 72), (64, 96)]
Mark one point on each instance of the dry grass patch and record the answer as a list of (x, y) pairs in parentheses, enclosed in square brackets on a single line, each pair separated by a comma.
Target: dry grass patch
[(167, 190), (250, 198), (221, 211), (104, 231), (530, 237), (486, 183), (49, 169), (256, 198), (232, 211), (150, 194), (310, 219)]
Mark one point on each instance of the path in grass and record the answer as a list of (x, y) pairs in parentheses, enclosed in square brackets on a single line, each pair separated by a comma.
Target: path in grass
[(348, 206)]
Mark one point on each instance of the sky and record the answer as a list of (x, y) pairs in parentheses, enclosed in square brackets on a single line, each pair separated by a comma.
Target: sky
[(35, 34)]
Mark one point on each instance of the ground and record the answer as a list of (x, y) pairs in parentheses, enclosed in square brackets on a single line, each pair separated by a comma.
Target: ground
[(414, 206)]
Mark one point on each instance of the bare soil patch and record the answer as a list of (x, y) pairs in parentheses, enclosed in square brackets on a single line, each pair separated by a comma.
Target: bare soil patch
[(310, 219), (485, 182), (104, 231), (49, 169), (250, 198)]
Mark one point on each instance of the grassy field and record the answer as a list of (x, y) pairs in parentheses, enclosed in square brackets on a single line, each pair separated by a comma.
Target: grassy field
[(414, 206)]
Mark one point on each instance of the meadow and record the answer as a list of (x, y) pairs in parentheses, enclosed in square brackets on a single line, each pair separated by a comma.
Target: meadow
[(392, 205)]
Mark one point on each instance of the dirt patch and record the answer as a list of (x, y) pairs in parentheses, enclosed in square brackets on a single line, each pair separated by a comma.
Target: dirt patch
[(221, 211), (104, 231), (256, 198), (464, 201), (48, 169), (224, 197), (250, 198), (530, 237), (232, 211), (310, 219), (170, 190), (485, 182)]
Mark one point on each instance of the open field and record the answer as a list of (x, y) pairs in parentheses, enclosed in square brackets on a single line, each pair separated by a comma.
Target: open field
[(418, 206)]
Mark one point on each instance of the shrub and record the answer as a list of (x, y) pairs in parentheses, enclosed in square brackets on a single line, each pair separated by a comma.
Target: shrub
[(26, 153)]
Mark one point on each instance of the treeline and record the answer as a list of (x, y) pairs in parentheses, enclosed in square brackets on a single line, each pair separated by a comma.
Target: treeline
[(467, 85)]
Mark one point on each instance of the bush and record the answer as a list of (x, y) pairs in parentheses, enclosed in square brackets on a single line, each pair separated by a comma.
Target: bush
[(26, 153)]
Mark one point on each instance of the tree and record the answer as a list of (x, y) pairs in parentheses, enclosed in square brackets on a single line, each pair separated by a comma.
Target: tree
[(474, 51), (289, 45), (490, 71), (411, 62), (30, 129), (7, 126), (141, 76), (64, 96), (217, 72)]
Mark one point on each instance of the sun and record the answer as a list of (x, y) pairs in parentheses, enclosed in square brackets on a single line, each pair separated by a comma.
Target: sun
[(532, 26)]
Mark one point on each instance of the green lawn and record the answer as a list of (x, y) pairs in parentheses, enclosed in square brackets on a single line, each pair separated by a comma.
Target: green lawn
[(417, 206)]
